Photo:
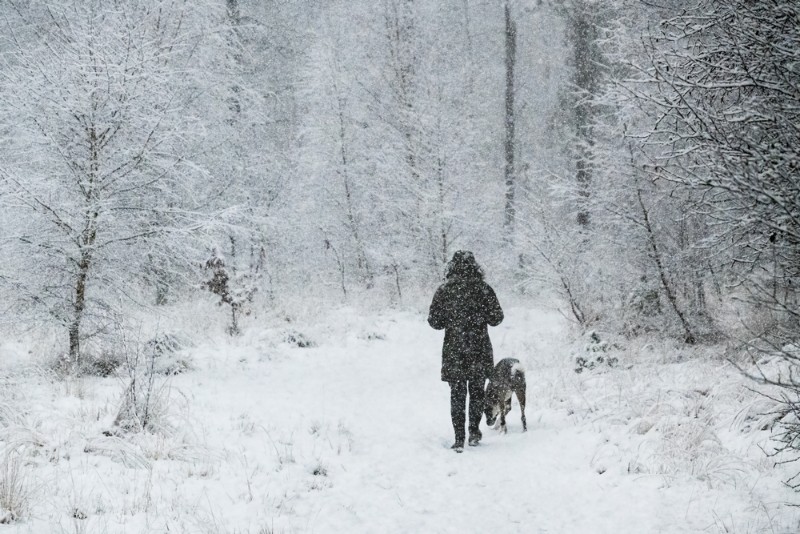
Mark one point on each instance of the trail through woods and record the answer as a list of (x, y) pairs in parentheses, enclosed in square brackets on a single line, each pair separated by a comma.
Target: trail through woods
[(391, 469), (352, 434)]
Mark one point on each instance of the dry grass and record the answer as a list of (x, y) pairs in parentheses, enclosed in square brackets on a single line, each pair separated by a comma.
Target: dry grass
[(15, 488)]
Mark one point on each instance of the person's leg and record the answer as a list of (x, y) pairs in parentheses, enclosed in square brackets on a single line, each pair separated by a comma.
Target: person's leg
[(458, 401), (476, 402)]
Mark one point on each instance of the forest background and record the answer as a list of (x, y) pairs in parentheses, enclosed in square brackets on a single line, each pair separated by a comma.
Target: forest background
[(636, 160)]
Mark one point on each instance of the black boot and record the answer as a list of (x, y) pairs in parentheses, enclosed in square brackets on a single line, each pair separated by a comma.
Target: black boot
[(474, 437)]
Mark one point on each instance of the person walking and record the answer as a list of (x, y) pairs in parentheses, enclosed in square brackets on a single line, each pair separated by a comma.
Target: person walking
[(463, 306)]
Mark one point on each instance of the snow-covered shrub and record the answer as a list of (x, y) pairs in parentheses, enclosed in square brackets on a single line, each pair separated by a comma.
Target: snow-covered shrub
[(167, 350), (298, 339), (143, 408), (104, 364), (642, 311), (235, 289), (173, 364), (164, 343), (596, 352), (780, 371), (146, 396), (761, 414), (15, 488), (681, 436)]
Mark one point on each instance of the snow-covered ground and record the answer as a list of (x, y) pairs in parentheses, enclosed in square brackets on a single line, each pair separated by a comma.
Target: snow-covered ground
[(352, 435)]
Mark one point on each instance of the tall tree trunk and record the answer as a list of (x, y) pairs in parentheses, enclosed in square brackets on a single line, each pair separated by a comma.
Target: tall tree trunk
[(402, 42), (400, 32), (586, 57), (79, 303), (234, 102), (86, 242), (78, 307), (444, 227), (406, 71), (361, 256), (510, 174)]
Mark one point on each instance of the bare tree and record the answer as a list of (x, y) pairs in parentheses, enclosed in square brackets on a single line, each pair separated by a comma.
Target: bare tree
[(93, 96), (510, 121), (583, 32), (722, 93)]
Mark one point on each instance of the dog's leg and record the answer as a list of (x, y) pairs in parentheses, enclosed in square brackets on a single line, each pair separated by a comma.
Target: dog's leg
[(521, 398), (503, 413)]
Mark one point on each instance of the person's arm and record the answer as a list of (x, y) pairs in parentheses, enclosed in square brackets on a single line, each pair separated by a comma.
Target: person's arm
[(436, 316), (494, 313)]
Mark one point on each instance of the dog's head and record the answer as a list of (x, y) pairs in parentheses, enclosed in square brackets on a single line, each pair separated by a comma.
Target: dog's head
[(491, 406), (491, 410)]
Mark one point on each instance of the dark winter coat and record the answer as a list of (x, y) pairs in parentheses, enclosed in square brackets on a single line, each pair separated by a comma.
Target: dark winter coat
[(464, 306)]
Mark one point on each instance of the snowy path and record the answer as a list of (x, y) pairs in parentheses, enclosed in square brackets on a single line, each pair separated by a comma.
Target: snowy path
[(353, 435), (384, 399)]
